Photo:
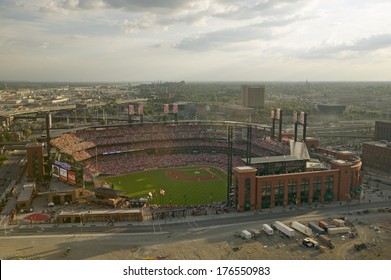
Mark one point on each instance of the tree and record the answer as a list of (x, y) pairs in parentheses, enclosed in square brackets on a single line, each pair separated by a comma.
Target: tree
[(9, 136), (3, 158), (27, 132)]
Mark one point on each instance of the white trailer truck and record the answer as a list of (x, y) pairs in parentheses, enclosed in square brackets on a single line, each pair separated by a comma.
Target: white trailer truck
[(284, 229), (266, 228), (245, 234), (302, 228)]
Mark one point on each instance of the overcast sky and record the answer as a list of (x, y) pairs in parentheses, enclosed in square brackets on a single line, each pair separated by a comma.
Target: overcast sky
[(195, 40)]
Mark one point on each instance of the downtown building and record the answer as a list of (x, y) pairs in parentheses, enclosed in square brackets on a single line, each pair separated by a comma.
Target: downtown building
[(377, 154), (253, 97)]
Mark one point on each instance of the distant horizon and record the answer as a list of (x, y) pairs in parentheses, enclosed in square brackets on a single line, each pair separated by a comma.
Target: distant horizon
[(189, 82)]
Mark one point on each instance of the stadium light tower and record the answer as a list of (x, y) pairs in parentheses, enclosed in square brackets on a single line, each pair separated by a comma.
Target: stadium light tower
[(276, 114), (302, 120), (229, 163), (249, 144), (132, 112)]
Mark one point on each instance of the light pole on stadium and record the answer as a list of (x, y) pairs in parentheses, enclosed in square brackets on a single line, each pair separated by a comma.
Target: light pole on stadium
[(96, 158), (81, 223), (348, 201)]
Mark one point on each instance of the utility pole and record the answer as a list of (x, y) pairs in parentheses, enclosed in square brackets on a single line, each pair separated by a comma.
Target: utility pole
[(348, 200)]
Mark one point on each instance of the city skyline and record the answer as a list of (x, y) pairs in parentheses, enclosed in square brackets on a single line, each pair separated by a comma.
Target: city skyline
[(197, 40)]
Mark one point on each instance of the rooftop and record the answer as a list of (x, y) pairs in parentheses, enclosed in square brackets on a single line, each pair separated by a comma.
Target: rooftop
[(381, 143), (26, 193), (274, 159)]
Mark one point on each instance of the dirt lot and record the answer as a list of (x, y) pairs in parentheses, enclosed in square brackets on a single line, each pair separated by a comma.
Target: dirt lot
[(374, 230)]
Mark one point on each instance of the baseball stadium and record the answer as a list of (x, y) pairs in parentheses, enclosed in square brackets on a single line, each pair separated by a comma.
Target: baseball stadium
[(140, 159), (192, 163)]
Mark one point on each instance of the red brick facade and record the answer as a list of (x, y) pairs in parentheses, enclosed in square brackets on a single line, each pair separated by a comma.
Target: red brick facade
[(377, 155), (251, 192), (35, 165)]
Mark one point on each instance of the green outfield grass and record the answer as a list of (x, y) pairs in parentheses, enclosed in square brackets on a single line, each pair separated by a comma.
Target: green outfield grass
[(191, 186)]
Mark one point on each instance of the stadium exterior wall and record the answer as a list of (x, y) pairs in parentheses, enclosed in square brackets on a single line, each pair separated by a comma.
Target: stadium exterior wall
[(294, 189)]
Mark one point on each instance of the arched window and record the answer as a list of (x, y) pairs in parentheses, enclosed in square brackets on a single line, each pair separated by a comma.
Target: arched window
[(266, 194), (247, 194), (305, 186), (279, 194)]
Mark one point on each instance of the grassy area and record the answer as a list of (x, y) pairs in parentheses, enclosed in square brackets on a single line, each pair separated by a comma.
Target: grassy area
[(184, 186)]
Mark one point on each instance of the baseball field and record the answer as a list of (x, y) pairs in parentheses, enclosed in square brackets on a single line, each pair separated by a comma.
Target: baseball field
[(174, 186)]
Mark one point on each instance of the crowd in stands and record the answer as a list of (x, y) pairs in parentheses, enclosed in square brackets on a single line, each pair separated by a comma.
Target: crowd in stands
[(85, 145), (140, 161)]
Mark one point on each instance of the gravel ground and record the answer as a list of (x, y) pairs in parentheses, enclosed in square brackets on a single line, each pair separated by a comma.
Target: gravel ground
[(204, 244)]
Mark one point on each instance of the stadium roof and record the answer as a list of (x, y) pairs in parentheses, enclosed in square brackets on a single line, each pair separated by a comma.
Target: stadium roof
[(299, 152), (26, 193), (107, 191)]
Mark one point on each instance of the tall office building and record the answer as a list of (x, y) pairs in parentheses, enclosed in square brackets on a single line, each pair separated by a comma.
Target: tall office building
[(377, 154), (383, 130), (253, 97), (35, 165)]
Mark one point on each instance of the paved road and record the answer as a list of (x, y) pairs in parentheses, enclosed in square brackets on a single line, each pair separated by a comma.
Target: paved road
[(184, 224)]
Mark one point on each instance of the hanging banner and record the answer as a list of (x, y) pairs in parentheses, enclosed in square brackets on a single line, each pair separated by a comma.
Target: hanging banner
[(72, 177), (131, 109), (278, 114), (55, 171), (295, 116), (175, 108), (140, 109), (63, 174), (165, 108)]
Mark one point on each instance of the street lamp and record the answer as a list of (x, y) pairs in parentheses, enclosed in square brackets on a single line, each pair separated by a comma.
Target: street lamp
[(348, 200), (81, 223)]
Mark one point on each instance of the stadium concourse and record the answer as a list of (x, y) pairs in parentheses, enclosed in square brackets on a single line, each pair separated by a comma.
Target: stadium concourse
[(113, 150)]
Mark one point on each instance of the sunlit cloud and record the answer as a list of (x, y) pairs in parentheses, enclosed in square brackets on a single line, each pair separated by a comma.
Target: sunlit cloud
[(196, 39)]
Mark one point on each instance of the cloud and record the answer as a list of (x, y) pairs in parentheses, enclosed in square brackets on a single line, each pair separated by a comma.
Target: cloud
[(139, 24), (128, 5), (374, 42), (149, 5), (56, 6), (169, 12), (252, 32), (245, 10), (365, 44), (139, 14), (217, 39)]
